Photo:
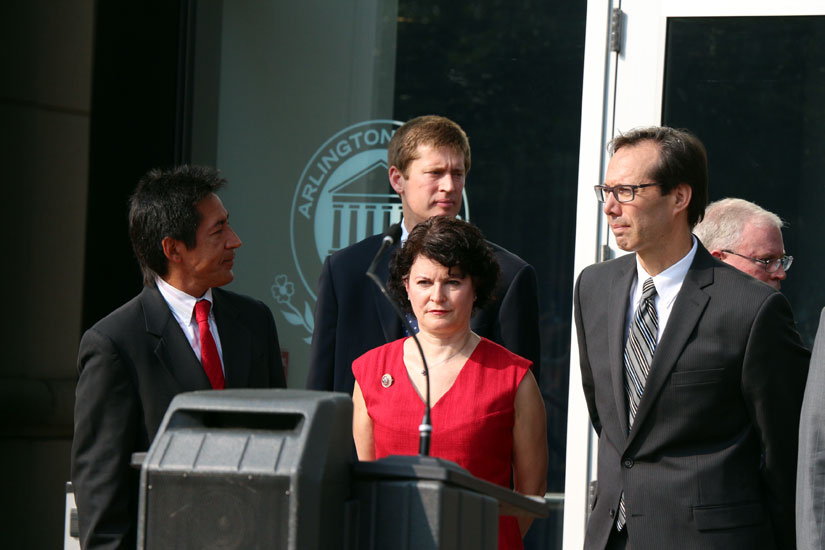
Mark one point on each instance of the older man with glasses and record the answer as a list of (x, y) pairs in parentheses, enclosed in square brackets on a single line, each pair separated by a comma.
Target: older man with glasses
[(746, 236)]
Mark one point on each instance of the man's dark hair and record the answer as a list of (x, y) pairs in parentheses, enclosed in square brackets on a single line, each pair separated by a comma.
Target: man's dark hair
[(435, 131), (456, 245), (682, 159), (164, 204)]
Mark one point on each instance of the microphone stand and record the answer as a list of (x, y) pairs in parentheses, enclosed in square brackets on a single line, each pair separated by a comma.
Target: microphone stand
[(391, 235)]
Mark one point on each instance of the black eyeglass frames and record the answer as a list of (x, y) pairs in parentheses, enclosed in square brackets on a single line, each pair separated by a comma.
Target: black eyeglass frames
[(622, 192)]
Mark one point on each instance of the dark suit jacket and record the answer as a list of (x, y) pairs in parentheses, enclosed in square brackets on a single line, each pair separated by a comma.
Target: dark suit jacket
[(132, 363), (352, 317), (711, 459)]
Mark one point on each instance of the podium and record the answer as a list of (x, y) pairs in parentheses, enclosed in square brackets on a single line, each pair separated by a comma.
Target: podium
[(274, 469), (423, 503)]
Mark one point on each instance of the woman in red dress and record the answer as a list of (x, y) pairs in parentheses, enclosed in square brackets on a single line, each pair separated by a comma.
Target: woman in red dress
[(487, 413)]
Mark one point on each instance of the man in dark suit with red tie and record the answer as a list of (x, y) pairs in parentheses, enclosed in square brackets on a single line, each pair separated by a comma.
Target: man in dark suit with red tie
[(693, 371), (181, 333)]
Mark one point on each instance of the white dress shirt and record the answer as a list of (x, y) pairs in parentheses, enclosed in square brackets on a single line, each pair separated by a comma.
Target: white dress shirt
[(183, 309), (404, 232), (668, 283)]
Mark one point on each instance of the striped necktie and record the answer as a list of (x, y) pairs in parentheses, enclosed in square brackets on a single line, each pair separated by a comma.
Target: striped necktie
[(638, 355)]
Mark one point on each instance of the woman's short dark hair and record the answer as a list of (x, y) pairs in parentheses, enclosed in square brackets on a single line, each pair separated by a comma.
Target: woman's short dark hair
[(453, 243)]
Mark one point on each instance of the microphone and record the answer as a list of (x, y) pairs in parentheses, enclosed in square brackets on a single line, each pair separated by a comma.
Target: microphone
[(391, 235)]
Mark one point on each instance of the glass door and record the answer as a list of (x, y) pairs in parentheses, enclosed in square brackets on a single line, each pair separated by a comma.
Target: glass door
[(748, 78), (295, 102)]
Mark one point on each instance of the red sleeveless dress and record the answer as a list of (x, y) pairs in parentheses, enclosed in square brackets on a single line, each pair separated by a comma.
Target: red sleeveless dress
[(472, 422)]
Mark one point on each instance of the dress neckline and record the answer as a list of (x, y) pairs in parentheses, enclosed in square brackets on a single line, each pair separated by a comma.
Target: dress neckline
[(412, 385)]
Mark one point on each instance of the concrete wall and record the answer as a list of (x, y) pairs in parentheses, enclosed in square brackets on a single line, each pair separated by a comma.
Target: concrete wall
[(45, 97)]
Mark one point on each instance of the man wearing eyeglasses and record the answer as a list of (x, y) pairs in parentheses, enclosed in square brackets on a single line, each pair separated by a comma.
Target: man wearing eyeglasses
[(746, 236), (692, 371)]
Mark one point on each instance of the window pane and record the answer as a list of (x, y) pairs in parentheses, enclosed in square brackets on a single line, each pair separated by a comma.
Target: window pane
[(751, 88), (501, 70)]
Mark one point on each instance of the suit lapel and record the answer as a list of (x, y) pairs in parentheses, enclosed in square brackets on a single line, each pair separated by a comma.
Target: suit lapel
[(619, 300), (172, 349), (687, 310), (235, 341), (390, 323)]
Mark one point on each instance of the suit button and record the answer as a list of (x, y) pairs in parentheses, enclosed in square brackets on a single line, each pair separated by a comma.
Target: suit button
[(612, 514), (628, 463)]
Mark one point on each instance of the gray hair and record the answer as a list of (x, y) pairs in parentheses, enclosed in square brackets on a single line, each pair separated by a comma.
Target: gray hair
[(725, 219)]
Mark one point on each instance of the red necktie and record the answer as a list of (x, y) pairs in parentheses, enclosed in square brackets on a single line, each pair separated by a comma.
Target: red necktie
[(209, 351)]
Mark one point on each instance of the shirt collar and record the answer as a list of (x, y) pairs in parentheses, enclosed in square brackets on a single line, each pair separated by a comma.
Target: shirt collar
[(404, 232), (181, 303), (668, 282)]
